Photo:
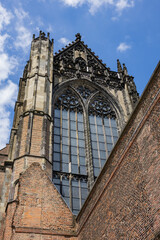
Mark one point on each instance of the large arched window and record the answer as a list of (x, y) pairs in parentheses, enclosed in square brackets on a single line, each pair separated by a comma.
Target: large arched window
[(73, 166), (69, 157)]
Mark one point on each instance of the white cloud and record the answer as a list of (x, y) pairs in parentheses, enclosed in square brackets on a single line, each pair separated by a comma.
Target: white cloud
[(123, 47), (24, 35), (20, 13), (8, 96), (7, 64), (63, 41), (5, 17), (94, 5), (122, 4), (74, 3), (3, 41)]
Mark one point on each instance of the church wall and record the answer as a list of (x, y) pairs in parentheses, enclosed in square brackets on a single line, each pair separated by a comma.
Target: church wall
[(124, 202), (39, 211), (5, 179)]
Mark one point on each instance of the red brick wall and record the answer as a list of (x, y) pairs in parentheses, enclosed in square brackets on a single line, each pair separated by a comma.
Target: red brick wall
[(125, 201), (8, 222), (40, 208)]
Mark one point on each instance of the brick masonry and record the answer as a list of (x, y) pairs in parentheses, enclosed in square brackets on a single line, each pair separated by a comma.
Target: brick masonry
[(39, 208)]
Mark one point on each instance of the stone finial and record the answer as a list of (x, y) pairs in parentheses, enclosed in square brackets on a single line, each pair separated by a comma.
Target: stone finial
[(41, 34), (125, 69), (78, 37), (33, 36), (48, 35), (119, 67)]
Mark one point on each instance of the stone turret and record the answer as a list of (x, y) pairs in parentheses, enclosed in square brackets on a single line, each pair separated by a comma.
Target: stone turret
[(33, 122)]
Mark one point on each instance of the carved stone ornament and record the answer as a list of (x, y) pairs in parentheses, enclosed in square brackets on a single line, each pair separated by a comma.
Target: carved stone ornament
[(81, 63), (101, 107), (79, 47), (132, 90), (68, 100), (97, 68), (66, 61)]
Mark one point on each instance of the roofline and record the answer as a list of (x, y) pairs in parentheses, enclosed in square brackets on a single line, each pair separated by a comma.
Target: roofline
[(82, 42)]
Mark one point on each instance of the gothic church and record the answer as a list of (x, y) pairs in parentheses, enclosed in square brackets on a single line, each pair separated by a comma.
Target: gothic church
[(83, 157)]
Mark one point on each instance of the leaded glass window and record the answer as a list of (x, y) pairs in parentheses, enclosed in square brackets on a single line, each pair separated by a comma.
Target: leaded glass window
[(71, 139), (103, 131), (69, 157)]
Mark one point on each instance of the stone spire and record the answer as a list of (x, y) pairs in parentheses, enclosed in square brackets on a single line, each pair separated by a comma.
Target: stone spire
[(125, 69), (78, 37), (119, 67)]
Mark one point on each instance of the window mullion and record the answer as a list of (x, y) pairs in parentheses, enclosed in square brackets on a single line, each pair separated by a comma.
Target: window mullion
[(105, 139), (77, 139), (61, 120), (98, 149)]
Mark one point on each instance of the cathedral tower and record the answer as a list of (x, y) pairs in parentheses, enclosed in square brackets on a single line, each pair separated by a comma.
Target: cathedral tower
[(31, 139)]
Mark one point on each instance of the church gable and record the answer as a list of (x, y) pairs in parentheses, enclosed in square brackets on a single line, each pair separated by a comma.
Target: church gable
[(40, 205), (78, 61)]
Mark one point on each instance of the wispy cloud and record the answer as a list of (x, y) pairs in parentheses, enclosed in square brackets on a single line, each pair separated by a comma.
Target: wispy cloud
[(3, 39), (7, 64), (5, 17), (74, 3), (94, 5), (63, 41), (123, 47), (24, 35), (122, 4), (8, 89), (8, 96)]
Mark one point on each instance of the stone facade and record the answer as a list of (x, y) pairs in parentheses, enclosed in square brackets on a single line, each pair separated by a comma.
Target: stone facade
[(124, 200)]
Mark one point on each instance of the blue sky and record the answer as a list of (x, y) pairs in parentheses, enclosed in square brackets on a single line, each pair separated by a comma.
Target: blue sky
[(114, 29)]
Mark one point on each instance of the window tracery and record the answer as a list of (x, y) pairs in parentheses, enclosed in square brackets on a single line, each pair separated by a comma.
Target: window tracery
[(85, 92), (101, 107), (68, 100)]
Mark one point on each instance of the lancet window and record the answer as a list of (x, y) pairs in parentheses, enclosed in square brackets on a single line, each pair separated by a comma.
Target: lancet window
[(103, 131), (71, 139), (69, 157)]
